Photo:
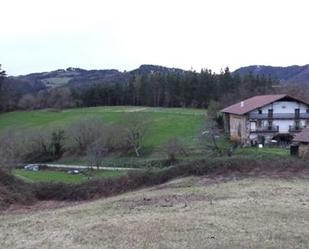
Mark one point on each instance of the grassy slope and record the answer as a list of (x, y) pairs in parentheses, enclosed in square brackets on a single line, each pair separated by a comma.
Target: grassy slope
[(165, 122), (250, 213), (262, 153), (61, 176)]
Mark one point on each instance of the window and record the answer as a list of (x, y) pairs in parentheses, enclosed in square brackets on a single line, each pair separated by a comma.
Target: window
[(239, 130), (297, 125), (259, 123), (297, 112), (260, 111), (270, 113), (270, 125), (307, 110), (253, 126)]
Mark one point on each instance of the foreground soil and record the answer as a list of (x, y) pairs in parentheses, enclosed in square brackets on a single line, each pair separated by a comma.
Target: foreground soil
[(194, 212)]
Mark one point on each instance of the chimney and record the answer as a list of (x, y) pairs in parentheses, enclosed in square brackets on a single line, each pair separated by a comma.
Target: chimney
[(242, 104)]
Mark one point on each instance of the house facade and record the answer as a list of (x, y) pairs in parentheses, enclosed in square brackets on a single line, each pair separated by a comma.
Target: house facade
[(263, 119)]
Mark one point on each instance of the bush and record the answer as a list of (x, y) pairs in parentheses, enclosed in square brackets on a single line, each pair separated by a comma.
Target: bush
[(144, 178), (14, 191)]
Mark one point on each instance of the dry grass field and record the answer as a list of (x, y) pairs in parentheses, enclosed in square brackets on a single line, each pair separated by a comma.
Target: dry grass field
[(194, 212)]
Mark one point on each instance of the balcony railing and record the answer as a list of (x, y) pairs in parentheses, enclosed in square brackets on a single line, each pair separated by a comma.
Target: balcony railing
[(266, 129), (294, 128), (279, 116)]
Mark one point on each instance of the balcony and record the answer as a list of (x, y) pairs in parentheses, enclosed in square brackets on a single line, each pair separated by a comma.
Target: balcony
[(265, 129), (279, 116), (294, 128)]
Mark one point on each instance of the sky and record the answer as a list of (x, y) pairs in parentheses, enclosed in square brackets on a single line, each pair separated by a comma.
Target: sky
[(44, 35)]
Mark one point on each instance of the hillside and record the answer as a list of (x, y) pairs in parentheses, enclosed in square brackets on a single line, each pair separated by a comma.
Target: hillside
[(77, 77), (193, 212), (165, 123), (14, 191), (292, 75)]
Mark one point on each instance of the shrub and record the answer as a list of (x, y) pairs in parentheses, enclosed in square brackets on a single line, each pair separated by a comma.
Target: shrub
[(14, 191), (144, 178)]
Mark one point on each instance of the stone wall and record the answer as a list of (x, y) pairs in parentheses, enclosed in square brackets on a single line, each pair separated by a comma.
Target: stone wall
[(238, 128), (303, 150)]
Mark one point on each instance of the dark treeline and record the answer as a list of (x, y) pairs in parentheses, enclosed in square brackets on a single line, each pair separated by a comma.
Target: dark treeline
[(166, 89), (187, 89)]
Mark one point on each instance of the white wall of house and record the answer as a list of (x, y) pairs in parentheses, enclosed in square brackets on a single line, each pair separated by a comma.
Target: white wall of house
[(283, 107), (284, 125)]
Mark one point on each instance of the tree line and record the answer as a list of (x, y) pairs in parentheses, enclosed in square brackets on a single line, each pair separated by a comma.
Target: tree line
[(163, 89), (187, 89)]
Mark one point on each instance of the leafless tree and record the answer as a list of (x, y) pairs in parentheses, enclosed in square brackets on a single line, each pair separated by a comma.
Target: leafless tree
[(136, 127), (95, 154), (27, 102), (214, 142), (173, 148), (84, 132), (60, 98), (12, 147)]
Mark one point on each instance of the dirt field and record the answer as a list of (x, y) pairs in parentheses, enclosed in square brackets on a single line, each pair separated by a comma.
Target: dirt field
[(185, 213)]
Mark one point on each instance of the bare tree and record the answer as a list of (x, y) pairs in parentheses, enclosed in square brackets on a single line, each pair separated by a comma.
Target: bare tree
[(136, 127), (27, 102), (84, 132), (60, 98), (12, 147), (95, 154), (173, 148), (214, 142)]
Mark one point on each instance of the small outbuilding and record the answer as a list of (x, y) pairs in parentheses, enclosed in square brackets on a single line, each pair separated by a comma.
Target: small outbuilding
[(302, 140)]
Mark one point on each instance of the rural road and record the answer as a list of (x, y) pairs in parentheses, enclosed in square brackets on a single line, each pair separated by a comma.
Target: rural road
[(82, 167)]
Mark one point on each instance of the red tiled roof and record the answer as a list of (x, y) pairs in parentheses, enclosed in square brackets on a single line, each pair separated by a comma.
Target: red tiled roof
[(303, 136), (253, 103)]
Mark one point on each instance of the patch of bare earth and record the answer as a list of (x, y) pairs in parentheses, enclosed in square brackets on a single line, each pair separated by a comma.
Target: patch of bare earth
[(38, 206), (194, 212)]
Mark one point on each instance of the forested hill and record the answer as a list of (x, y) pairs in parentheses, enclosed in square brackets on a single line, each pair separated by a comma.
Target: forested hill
[(83, 78), (149, 85), (292, 75)]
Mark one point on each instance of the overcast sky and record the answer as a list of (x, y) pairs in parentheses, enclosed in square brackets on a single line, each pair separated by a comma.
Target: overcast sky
[(42, 35)]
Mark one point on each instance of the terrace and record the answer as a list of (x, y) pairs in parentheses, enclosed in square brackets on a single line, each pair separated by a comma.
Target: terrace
[(279, 116), (266, 129)]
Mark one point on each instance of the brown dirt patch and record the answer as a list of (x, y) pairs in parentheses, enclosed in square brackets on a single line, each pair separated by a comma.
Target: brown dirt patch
[(38, 206)]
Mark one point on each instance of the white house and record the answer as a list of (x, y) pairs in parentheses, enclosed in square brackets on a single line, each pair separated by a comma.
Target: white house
[(261, 119)]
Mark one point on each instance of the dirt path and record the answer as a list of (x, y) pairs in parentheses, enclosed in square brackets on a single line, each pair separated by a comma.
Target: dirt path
[(64, 166)]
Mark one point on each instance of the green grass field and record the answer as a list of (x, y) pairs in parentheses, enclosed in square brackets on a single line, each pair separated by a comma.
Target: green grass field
[(264, 152), (62, 176), (165, 123)]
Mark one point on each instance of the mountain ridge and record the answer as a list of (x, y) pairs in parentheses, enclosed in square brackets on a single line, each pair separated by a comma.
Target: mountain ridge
[(290, 75), (77, 77), (82, 77)]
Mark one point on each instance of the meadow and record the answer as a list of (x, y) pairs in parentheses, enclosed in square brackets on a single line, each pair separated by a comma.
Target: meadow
[(248, 213), (164, 123), (63, 176)]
